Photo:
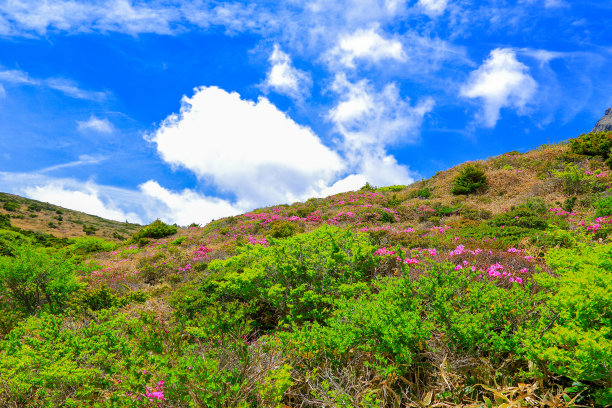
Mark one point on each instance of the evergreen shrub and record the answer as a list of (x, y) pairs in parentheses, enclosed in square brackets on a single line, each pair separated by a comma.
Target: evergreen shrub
[(470, 179)]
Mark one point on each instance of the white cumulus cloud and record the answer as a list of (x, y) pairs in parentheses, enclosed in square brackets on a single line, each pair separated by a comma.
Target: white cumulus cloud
[(187, 206), (284, 78), (85, 198), (249, 149), (366, 45), (500, 82)]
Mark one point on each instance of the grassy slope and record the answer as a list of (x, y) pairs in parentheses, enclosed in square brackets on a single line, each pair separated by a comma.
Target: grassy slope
[(168, 270)]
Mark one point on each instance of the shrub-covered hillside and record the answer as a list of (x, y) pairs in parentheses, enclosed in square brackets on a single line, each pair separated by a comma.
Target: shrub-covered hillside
[(489, 284)]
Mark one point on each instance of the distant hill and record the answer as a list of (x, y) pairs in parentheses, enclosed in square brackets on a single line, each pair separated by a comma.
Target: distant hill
[(32, 215)]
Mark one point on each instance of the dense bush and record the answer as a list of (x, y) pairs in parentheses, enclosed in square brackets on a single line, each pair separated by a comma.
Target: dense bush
[(11, 206), (89, 229), (603, 207), (87, 245), (520, 217), (157, 229), (573, 337), (33, 278), (469, 179), (394, 188), (593, 144), (5, 221), (296, 279)]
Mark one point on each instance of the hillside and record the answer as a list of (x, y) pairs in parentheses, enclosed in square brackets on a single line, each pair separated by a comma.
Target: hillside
[(499, 294), (32, 215)]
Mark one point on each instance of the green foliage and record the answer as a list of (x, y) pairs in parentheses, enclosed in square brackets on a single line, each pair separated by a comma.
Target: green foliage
[(568, 204), (11, 206), (537, 205), (576, 181), (603, 207), (367, 187), (469, 179), (34, 278), (89, 229), (424, 192), (592, 144), (386, 324), (35, 207), (9, 240), (296, 279), (178, 241), (157, 229), (520, 217), (5, 221), (282, 229), (574, 335), (118, 236), (394, 189), (478, 317), (88, 245)]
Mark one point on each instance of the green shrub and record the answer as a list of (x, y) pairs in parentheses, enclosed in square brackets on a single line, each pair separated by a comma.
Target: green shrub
[(568, 204), (537, 205), (477, 317), (11, 206), (89, 229), (88, 245), (573, 336), (520, 217), (35, 207), (11, 239), (367, 187), (603, 207), (33, 278), (387, 325), (282, 229), (394, 189), (118, 236), (157, 229), (5, 221), (297, 278), (592, 144), (470, 179), (425, 192)]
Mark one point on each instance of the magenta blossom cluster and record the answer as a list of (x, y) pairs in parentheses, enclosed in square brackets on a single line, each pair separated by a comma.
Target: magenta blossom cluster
[(157, 394)]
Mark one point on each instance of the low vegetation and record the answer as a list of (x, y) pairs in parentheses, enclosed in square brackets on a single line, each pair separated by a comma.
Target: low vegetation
[(487, 285)]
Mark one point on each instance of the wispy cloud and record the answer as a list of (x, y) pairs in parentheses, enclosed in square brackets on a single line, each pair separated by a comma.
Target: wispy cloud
[(65, 86), (366, 45), (95, 124), (84, 159), (369, 121)]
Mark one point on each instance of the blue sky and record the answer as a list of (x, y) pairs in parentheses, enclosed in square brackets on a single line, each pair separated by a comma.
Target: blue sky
[(193, 110)]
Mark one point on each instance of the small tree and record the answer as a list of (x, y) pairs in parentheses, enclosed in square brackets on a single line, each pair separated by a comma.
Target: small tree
[(470, 179)]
